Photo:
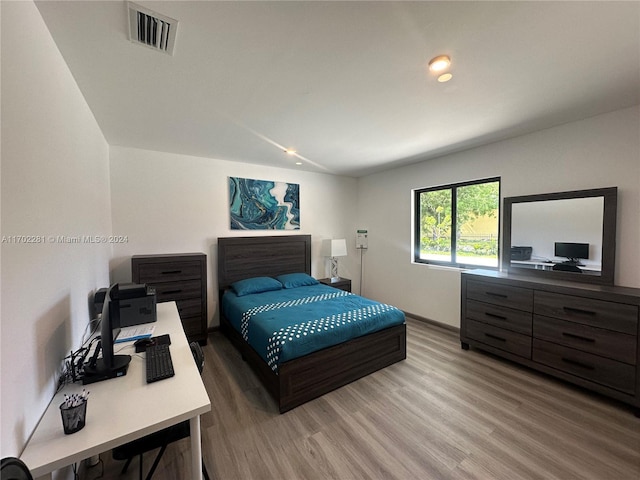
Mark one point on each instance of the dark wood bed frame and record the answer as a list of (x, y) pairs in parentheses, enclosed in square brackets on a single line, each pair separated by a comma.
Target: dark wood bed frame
[(313, 375)]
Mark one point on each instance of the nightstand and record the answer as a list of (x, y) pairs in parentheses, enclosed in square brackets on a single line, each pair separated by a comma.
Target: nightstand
[(341, 283)]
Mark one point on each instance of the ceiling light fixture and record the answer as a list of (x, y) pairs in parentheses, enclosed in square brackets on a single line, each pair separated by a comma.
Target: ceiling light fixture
[(439, 63), (290, 151), (298, 163), (445, 77)]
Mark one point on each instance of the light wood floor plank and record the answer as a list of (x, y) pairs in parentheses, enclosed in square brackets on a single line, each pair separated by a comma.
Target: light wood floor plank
[(443, 413)]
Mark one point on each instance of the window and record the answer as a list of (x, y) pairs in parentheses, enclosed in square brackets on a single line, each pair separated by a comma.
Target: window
[(458, 225)]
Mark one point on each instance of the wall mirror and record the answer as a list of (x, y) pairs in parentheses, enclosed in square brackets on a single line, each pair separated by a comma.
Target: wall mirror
[(564, 235)]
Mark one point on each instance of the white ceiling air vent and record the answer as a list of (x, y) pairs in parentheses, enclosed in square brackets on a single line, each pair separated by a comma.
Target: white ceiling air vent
[(152, 29)]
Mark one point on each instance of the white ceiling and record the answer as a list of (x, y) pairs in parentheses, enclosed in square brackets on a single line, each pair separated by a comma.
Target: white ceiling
[(346, 84)]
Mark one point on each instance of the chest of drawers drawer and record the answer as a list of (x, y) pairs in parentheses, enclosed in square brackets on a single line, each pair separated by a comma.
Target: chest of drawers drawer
[(171, 291), (192, 326), (496, 337), (191, 307), (502, 295), (588, 311), (153, 273), (604, 371), (503, 317), (598, 341)]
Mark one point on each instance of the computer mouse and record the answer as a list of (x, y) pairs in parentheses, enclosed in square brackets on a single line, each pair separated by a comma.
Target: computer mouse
[(142, 344)]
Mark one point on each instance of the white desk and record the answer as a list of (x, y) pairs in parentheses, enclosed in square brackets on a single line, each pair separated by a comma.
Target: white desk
[(126, 408), (540, 265)]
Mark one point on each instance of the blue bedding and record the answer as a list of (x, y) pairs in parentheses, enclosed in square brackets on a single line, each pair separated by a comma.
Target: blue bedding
[(289, 323)]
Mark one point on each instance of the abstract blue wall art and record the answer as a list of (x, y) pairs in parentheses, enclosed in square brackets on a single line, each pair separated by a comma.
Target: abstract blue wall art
[(263, 205)]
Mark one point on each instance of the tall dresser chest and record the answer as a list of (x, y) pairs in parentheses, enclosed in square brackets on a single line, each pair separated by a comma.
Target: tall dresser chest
[(180, 277)]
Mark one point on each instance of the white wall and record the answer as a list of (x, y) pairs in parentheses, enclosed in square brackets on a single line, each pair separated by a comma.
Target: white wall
[(602, 151), (167, 203), (55, 181)]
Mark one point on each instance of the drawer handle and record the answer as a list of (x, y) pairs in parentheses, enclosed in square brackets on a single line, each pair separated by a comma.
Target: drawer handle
[(495, 337), (578, 311), (169, 292), (578, 364), (493, 315), (578, 337), (493, 294), (170, 272)]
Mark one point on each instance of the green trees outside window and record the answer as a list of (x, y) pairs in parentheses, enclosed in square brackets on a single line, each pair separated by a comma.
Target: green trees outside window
[(458, 224)]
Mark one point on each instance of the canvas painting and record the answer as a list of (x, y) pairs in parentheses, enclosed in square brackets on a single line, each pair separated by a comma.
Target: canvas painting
[(263, 205)]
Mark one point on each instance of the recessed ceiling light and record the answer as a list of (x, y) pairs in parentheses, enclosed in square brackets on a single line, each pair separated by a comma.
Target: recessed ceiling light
[(439, 63), (290, 151), (298, 163), (445, 77)]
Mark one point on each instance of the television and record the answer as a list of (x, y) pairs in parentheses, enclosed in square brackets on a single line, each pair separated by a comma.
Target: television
[(572, 251), (109, 365)]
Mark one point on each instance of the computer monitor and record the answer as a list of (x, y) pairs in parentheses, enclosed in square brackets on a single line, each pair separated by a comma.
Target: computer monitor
[(110, 365), (572, 251)]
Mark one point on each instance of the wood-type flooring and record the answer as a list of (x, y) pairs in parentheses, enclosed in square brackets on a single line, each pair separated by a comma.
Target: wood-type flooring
[(443, 413)]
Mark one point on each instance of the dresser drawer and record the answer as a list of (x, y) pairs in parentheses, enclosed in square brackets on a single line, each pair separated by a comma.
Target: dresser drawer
[(192, 307), (606, 343), (167, 292), (598, 313), (169, 272), (508, 318), (193, 326), (503, 295), (586, 365), (506, 340)]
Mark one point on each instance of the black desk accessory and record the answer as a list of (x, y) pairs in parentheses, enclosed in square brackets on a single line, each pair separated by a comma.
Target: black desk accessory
[(142, 344), (158, 362)]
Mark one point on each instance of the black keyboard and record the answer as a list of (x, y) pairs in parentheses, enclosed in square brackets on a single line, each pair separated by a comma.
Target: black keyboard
[(159, 364)]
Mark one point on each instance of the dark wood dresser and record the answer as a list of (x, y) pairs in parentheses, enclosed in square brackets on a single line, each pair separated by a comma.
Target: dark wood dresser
[(585, 334), (180, 277)]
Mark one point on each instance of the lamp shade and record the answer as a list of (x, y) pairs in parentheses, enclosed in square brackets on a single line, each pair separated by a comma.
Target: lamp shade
[(334, 248)]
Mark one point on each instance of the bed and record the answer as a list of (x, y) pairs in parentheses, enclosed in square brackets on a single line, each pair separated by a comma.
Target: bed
[(297, 380)]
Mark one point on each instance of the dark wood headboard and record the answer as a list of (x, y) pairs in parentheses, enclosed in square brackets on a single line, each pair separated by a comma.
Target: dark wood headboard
[(246, 257)]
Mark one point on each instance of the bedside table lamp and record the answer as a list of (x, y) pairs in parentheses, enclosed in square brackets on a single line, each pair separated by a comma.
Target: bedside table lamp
[(333, 249)]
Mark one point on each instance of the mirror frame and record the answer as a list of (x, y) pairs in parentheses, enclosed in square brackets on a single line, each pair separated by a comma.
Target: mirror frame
[(607, 272)]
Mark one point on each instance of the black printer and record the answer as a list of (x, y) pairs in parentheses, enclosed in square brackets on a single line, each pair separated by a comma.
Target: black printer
[(521, 253), (137, 303)]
